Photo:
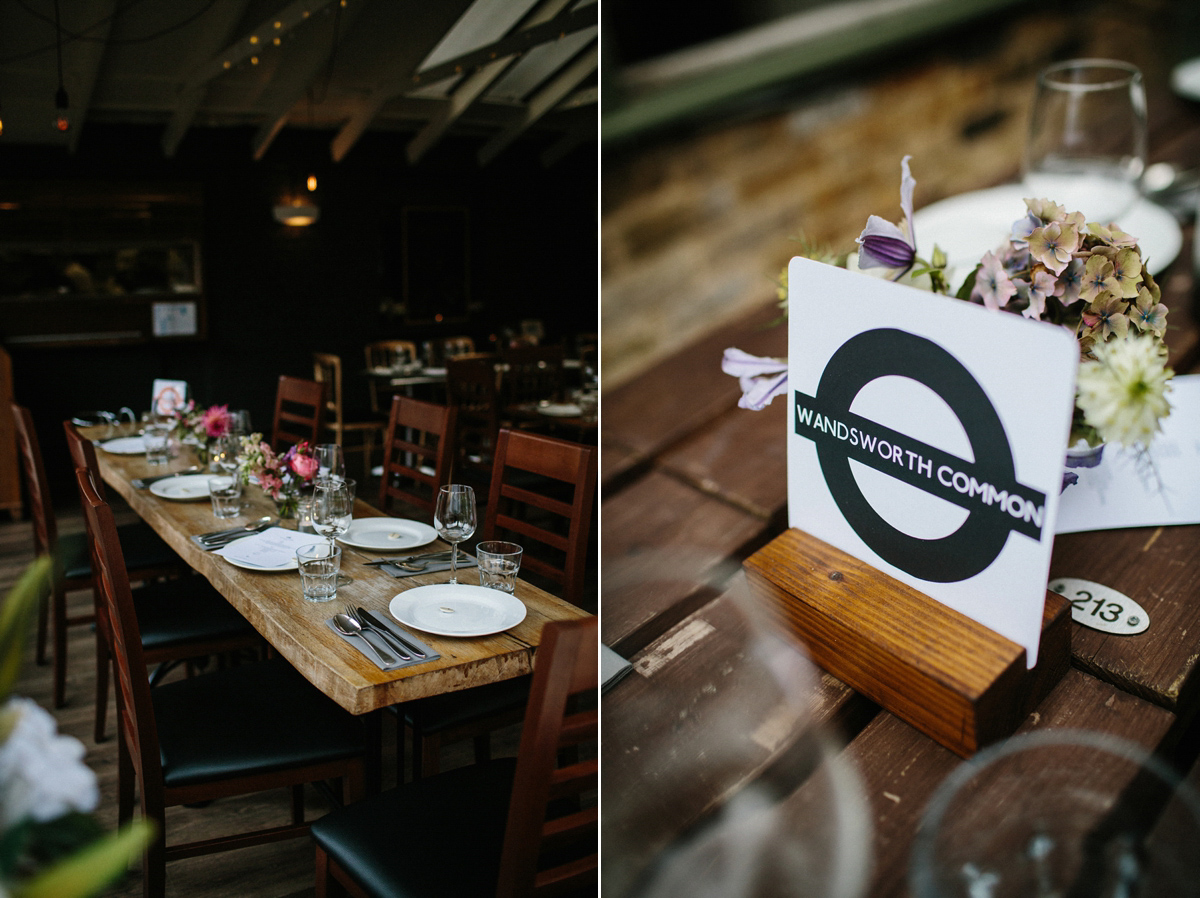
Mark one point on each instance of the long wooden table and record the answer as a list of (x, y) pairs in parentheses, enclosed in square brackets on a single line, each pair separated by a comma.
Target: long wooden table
[(692, 486), (272, 603)]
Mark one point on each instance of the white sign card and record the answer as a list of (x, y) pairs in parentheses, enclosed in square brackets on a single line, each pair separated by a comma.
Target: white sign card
[(174, 319), (1128, 489), (926, 436), (168, 395)]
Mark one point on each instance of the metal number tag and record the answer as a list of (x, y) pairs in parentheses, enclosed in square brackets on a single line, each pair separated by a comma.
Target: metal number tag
[(1100, 607)]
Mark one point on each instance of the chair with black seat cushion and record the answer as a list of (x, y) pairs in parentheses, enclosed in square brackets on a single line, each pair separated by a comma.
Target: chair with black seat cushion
[(180, 619), (418, 452), (342, 420), (542, 494), (149, 556), (231, 732), (508, 827), (299, 412)]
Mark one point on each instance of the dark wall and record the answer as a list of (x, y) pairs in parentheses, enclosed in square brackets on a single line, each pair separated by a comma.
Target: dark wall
[(275, 295)]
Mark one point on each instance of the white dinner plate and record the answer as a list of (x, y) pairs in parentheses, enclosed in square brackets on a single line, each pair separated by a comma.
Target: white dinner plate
[(560, 409), (188, 488), (457, 609), (245, 565), (971, 224), (387, 534), (125, 446)]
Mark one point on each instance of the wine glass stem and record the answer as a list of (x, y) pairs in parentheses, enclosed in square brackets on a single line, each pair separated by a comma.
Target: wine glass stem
[(454, 563)]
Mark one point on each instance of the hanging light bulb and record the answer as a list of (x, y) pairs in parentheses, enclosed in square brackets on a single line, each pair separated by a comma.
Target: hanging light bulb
[(312, 183), (61, 121)]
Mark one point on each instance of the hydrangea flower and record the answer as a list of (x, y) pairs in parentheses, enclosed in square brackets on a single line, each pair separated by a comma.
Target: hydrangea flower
[(993, 287)]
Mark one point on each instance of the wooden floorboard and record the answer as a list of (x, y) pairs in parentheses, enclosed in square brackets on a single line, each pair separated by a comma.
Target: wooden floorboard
[(281, 870)]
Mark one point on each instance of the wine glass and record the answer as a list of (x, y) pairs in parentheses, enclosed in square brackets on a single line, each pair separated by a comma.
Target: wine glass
[(333, 510), (454, 519), (331, 461), (225, 451), (1086, 148)]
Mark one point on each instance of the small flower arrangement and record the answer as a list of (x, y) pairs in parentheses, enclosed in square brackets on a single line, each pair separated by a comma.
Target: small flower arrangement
[(200, 425), (280, 476), (50, 844), (1055, 267)]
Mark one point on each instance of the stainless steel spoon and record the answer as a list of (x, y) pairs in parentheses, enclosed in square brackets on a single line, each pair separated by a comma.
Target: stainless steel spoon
[(222, 536), (349, 627)]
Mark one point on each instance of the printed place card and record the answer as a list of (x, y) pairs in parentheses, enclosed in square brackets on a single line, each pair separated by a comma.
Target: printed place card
[(926, 436)]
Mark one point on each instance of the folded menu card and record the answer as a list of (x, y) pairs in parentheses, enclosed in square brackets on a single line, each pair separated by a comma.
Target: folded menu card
[(1155, 488), (274, 548)]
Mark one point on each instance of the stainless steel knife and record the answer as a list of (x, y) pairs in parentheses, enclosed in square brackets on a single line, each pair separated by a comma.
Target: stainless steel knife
[(379, 625)]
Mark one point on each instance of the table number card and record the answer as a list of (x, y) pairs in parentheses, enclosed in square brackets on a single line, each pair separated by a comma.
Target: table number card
[(926, 437)]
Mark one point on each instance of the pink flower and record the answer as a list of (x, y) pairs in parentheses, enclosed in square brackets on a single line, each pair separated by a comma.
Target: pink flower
[(216, 421), (305, 465)]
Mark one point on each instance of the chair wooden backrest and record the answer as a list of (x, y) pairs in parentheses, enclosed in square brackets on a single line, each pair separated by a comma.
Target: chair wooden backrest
[(45, 527), (299, 412), (471, 388), (327, 369), (453, 347), (134, 709), (83, 455), (383, 354), (530, 373), (418, 454), (564, 488), (561, 714)]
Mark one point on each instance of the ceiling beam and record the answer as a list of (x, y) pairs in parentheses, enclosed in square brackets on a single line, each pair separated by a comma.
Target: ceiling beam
[(86, 57), (544, 24), (216, 29), (543, 101), (284, 92)]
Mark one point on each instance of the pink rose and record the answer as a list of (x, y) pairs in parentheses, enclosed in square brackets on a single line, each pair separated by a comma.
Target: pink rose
[(305, 465)]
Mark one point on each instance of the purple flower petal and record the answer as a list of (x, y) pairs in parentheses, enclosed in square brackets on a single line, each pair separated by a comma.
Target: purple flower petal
[(885, 252), (742, 364), (762, 391)]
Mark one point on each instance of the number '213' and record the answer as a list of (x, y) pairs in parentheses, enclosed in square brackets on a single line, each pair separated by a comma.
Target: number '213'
[(1106, 611)]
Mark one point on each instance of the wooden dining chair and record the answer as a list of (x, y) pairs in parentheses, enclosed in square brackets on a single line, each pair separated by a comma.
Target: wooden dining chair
[(150, 557), (385, 354), (536, 479), (530, 374), (418, 453), (299, 412), (341, 421), (231, 732), (510, 827), (472, 389), (181, 619), (453, 347)]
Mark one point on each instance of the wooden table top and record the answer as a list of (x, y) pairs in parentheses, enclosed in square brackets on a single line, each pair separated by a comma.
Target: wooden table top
[(272, 603), (693, 485)]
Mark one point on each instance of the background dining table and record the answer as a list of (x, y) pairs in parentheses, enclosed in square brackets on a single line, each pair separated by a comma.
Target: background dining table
[(692, 486)]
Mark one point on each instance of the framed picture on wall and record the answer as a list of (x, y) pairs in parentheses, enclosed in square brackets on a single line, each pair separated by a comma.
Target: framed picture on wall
[(436, 259)]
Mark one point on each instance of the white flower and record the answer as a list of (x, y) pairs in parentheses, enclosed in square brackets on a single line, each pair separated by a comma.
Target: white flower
[(1123, 393), (42, 774)]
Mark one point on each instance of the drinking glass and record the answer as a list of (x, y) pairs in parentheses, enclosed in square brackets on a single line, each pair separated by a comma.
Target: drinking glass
[(320, 567), (499, 562), (1059, 812), (157, 438), (331, 461), (1086, 147), (454, 519), (226, 495), (333, 510)]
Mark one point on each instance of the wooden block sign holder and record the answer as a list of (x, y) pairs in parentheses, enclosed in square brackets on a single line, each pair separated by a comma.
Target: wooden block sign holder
[(955, 680)]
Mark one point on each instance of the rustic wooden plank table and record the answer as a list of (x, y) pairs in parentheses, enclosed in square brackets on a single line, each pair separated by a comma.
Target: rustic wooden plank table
[(272, 603), (693, 486)]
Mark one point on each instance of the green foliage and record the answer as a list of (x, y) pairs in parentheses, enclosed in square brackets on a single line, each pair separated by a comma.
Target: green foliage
[(16, 613)]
